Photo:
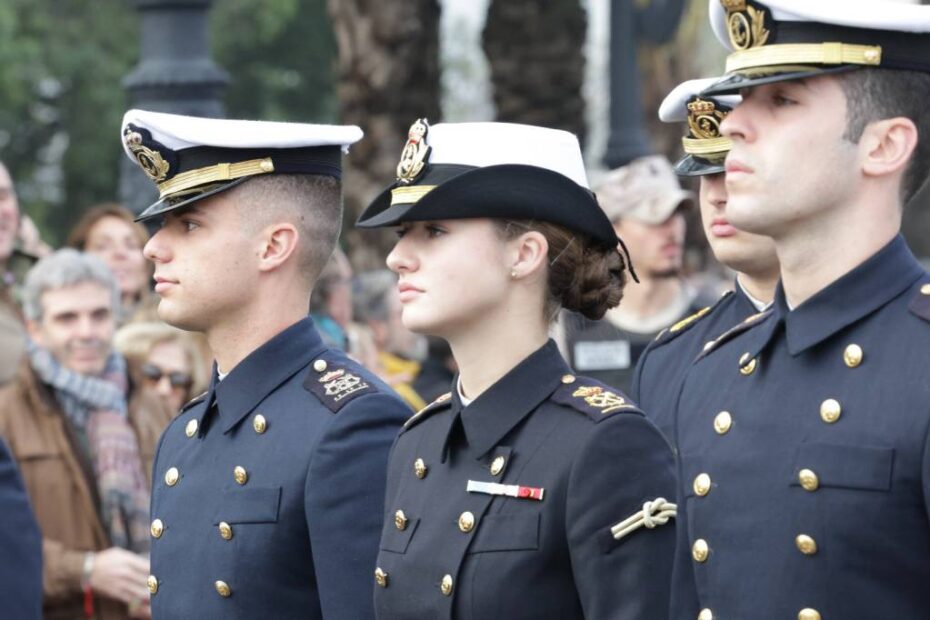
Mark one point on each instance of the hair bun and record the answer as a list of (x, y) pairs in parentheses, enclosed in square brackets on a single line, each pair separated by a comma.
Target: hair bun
[(599, 282)]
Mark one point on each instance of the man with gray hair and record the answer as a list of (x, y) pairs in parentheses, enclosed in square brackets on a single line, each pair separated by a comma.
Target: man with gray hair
[(66, 422)]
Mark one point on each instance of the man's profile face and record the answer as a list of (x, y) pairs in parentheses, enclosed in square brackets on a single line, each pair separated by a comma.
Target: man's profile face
[(790, 160), (205, 263), (76, 326), (9, 214)]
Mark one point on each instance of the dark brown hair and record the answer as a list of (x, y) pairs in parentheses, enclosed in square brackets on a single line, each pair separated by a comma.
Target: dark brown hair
[(79, 235), (584, 276)]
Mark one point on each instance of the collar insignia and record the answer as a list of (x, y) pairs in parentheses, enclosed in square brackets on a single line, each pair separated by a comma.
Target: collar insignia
[(414, 157)]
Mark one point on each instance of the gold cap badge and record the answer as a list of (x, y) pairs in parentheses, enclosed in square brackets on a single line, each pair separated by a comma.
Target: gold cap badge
[(745, 24), (704, 119), (151, 161), (416, 151)]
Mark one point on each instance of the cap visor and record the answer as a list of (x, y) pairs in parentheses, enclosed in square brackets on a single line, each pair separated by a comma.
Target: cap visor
[(690, 166), (733, 83), (163, 206)]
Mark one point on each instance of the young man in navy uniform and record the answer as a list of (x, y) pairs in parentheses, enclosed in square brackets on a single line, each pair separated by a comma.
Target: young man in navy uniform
[(21, 542), (812, 500), (268, 489), (661, 368)]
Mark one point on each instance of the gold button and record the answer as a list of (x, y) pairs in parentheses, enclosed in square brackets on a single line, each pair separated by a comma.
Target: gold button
[(852, 355), (191, 429), (259, 423), (702, 484), (497, 465), (420, 468), (466, 521), (747, 365), (171, 476), (568, 379), (319, 365), (706, 614), (240, 474), (925, 289), (806, 544), (400, 520), (226, 532), (446, 586), (809, 480), (157, 528), (381, 577), (830, 410), (152, 583), (700, 550), (723, 422), (222, 588), (808, 614)]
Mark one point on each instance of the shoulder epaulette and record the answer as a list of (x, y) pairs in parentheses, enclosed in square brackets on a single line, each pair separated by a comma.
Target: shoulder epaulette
[(437, 405), (192, 402), (335, 384), (920, 302), (747, 323), (687, 323), (593, 398)]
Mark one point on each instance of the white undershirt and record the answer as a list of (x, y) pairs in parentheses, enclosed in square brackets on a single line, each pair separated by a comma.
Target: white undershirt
[(760, 305), (458, 388)]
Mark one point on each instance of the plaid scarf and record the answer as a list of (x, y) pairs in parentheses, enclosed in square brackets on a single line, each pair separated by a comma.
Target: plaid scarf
[(96, 407)]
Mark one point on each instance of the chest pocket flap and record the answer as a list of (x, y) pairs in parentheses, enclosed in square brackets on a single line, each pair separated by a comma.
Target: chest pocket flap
[(252, 505), (396, 540), (845, 466), (500, 532)]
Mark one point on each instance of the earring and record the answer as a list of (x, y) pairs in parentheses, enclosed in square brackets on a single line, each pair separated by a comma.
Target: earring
[(513, 273)]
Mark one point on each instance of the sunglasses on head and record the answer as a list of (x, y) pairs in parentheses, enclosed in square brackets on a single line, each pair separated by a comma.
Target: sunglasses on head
[(177, 379)]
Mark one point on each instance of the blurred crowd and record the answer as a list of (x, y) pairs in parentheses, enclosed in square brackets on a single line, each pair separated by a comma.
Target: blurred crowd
[(91, 377)]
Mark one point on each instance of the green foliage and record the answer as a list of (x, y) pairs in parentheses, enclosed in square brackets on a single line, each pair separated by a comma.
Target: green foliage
[(61, 97), (281, 54)]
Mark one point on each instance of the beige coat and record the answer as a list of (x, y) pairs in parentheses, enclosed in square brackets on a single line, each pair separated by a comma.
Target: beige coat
[(61, 487)]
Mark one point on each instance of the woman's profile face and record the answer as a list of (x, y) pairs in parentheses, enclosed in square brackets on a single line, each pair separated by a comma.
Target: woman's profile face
[(451, 274)]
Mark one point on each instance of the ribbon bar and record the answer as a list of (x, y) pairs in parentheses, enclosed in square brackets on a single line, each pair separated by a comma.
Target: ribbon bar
[(510, 490)]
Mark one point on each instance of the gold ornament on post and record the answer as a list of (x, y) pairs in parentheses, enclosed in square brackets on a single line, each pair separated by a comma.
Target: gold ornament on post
[(416, 151)]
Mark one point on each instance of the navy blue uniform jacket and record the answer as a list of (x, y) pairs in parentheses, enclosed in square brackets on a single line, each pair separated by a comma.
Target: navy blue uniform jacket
[(594, 458), (662, 366), (803, 440), (20, 547), (268, 491)]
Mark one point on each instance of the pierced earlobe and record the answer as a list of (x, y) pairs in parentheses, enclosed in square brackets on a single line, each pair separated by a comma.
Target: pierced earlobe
[(513, 273)]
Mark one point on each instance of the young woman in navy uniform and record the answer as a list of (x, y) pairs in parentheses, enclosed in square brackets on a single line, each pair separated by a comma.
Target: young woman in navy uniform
[(527, 492)]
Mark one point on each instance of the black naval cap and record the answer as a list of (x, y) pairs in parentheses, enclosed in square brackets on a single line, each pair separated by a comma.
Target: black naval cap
[(779, 40), (705, 146), (190, 158), (491, 170)]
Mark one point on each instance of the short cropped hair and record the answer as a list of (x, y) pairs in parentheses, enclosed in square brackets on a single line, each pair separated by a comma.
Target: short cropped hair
[(313, 203), (63, 269), (877, 94)]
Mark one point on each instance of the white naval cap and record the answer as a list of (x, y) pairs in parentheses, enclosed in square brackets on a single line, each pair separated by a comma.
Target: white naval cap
[(705, 146), (674, 108), (495, 170), (776, 40), (191, 157)]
